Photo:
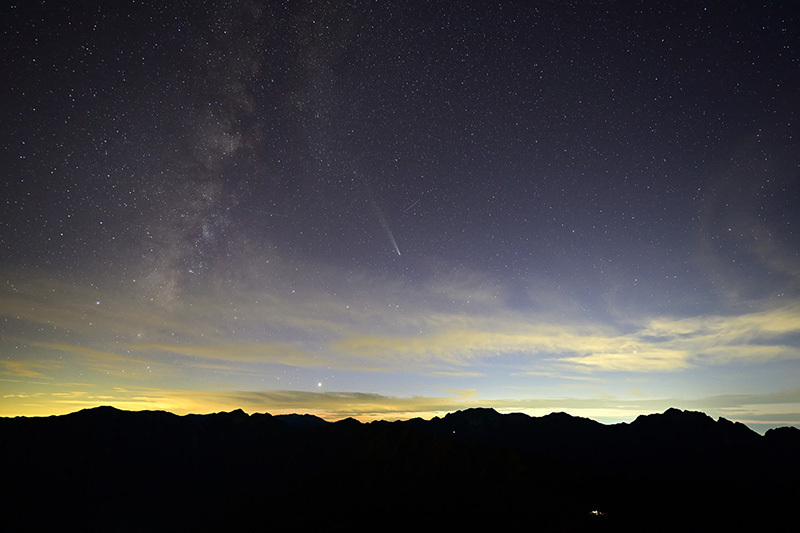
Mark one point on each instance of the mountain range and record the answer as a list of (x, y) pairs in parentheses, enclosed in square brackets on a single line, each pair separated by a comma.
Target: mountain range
[(112, 470)]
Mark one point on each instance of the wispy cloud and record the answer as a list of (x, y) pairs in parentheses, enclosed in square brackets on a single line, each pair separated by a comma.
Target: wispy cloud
[(230, 356), (100, 360), (661, 344), (371, 336), (453, 336), (23, 368)]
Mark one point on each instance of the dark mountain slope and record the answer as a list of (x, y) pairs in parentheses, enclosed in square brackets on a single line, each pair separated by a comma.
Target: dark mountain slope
[(105, 469)]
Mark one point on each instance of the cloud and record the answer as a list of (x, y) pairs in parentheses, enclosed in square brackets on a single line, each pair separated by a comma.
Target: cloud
[(490, 340), (238, 354), (89, 311), (659, 344), (362, 332), (101, 361), (322, 330), (744, 327), (757, 336), (636, 361), (26, 369)]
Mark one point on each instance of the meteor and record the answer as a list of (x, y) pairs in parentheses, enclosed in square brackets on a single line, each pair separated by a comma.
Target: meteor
[(412, 205), (266, 212)]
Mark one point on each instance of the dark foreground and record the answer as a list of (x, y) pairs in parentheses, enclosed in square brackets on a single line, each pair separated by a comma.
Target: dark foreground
[(110, 470)]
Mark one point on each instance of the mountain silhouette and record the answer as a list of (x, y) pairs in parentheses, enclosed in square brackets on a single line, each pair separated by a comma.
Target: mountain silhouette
[(107, 469)]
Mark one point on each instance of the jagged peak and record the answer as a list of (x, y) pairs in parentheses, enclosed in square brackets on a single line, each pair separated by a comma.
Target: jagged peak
[(673, 413)]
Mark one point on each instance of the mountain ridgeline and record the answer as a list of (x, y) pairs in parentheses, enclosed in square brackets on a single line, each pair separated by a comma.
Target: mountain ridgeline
[(111, 470)]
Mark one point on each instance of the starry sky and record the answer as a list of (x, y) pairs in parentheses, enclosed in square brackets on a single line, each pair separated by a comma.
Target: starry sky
[(389, 209)]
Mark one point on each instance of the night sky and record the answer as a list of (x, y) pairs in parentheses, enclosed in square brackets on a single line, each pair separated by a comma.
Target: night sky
[(393, 209)]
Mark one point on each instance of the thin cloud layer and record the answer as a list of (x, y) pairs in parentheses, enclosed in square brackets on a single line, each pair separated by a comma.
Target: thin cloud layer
[(430, 344)]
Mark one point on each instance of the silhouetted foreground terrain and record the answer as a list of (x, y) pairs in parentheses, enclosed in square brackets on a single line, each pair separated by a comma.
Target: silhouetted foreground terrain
[(106, 469)]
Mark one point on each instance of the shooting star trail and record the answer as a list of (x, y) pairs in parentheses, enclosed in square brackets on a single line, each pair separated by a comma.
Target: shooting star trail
[(265, 212), (412, 205)]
